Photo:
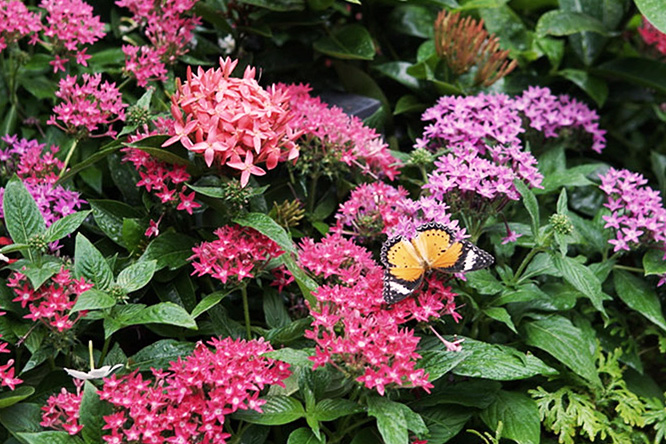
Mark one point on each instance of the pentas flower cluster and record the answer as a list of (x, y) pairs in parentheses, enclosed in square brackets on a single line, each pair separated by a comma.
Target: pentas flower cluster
[(233, 122), (86, 106), (637, 214), (239, 252), (38, 168), (652, 36), (164, 180), (7, 378), (52, 302), (353, 329), (17, 22), (189, 402), (329, 132), (169, 31), (62, 411), (70, 24)]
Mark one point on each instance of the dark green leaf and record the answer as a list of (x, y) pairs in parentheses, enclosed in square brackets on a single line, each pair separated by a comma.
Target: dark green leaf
[(133, 234), (394, 420), (109, 215), (560, 23), (277, 5), (639, 296), (12, 397), (89, 263), (21, 417), (85, 163), (269, 228), (565, 342), (94, 300), (40, 86), (159, 354), (408, 104), (303, 436), (136, 276), (92, 414), (278, 410), (445, 422), (50, 437), (641, 71), (292, 356), (519, 415), (582, 279), (332, 409), (65, 226), (413, 20), (572, 177), (499, 362), (398, 72), (654, 11), (350, 42), (477, 393), (500, 314), (654, 263), (275, 312), (170, 249), (207, 303), (22, 217), (530, 202), (484, 282), (38, 273), (437, 363), (596, 88), (138, 314)]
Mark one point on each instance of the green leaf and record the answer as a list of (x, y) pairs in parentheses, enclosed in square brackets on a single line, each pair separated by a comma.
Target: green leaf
[(530, 202), (477, 393), (207, 303), (22, 217), (303, 435), (484, 282), (437, 363), (654, 263), (654, 11), (639, 296), (596, 88), (275, 312), (572, 177), (398, 72), (21, 417), (136, 276), (161, 353), (50, 437), (644, 72), (567, 343), (92, 412), (332, 409), (394, 420), (93, 300), (89, 263), (413, 20), (105, 151), (560, 23), (350, 42), (109, 215), (277, 5), (277, 410), (408, 104), (445, 422), (65, 226), (499, 362), (38, 273), (519, 415), (582, 279), (17, 395), (170, 249), (500, 314), (269, 228), (294, 357), (138, 314)]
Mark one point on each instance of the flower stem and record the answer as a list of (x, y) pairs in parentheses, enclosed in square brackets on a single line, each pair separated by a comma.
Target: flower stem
[(246, 312), (68, 158)]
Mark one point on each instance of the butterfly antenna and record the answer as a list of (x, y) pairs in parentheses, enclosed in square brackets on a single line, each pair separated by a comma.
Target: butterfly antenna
[(450, 346)]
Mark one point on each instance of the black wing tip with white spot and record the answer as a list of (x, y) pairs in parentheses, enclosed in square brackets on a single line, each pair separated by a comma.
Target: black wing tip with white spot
[(395, 290)]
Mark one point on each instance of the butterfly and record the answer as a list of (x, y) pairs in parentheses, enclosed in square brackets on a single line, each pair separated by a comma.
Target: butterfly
[(433, 248)]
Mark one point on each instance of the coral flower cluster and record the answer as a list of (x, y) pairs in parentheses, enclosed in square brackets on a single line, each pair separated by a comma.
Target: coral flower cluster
[(353, 329), (233, 122)]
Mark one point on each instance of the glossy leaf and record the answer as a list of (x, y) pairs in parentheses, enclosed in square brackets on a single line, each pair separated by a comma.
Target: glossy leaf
[(89, 263), (21, 214), (413, 20), (137, 314), (518, 414), (159, 354), (395, 420), (350, 42), (332, 409), (94, 300), (269, 228), (169, 249), (654, 263), (207, 303), (277, 410), (567, 343), (65, 226), (50, 437), (596, 88), (109, 215), (654, 11), (445, 422), (639, 296), (92, 413), (582, 279), (136, 276), (437, 363), (12, 397), (641, 71), (398, 72), (303, 435), (561, 23), (531, 204)]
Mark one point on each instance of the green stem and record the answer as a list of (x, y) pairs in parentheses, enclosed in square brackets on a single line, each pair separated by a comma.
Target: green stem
[(313, 193), (525, 263), (246, 312), (69, 157), (624, 267)]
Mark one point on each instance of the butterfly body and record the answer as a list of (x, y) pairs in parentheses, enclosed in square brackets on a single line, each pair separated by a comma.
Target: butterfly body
[(433, 248)]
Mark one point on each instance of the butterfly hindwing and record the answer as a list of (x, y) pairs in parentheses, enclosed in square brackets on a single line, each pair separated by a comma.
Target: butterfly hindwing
[(404, 269)]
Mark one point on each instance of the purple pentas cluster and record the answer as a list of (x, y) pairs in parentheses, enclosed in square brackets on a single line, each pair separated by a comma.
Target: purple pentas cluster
[(38, 168), (17, 22), (637, 214)]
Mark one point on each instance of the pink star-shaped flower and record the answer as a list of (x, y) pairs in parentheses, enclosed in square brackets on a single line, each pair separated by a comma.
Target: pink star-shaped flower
[(247, 168)]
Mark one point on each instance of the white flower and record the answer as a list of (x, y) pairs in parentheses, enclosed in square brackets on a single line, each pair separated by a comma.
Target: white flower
[(95, 373), (227, 44)]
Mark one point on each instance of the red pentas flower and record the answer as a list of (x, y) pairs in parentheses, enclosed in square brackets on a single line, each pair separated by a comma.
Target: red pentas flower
[(62, 410), (652, 36), (16, 22), (233, 121), (52, 302), (189, 402), (87, 106), (353, 329), (239, 251), (7, 378)]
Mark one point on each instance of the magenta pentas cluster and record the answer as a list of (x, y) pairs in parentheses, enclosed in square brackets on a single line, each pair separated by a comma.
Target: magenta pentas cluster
[(352, 328), (239, 252), (17, 22), (188, 403), (85, 107), (637, 214), (164, 180), (70, 25), (168, 27), (52, 302), (62, 411), (38, 168), (233, 122), (7, 378), (652, 36), (345, 137)]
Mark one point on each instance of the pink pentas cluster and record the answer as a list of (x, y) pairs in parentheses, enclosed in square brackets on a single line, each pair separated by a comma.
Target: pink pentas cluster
[(70, 25), (7, 378), (84, 107), (652, 36), (52, 302), (17, 22), (190, 401), (169, 30), (38, 168), (351, 326), (330, 129), (233, 122), (637, 214), (239, 252), (62, 411), (164, 180)]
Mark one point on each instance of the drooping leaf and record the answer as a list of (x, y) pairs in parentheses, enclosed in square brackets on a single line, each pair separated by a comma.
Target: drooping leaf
[(350, 42), (654, 11), (17, 395), (519, 415), (639, 296), (395, 420), (582, 279)]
